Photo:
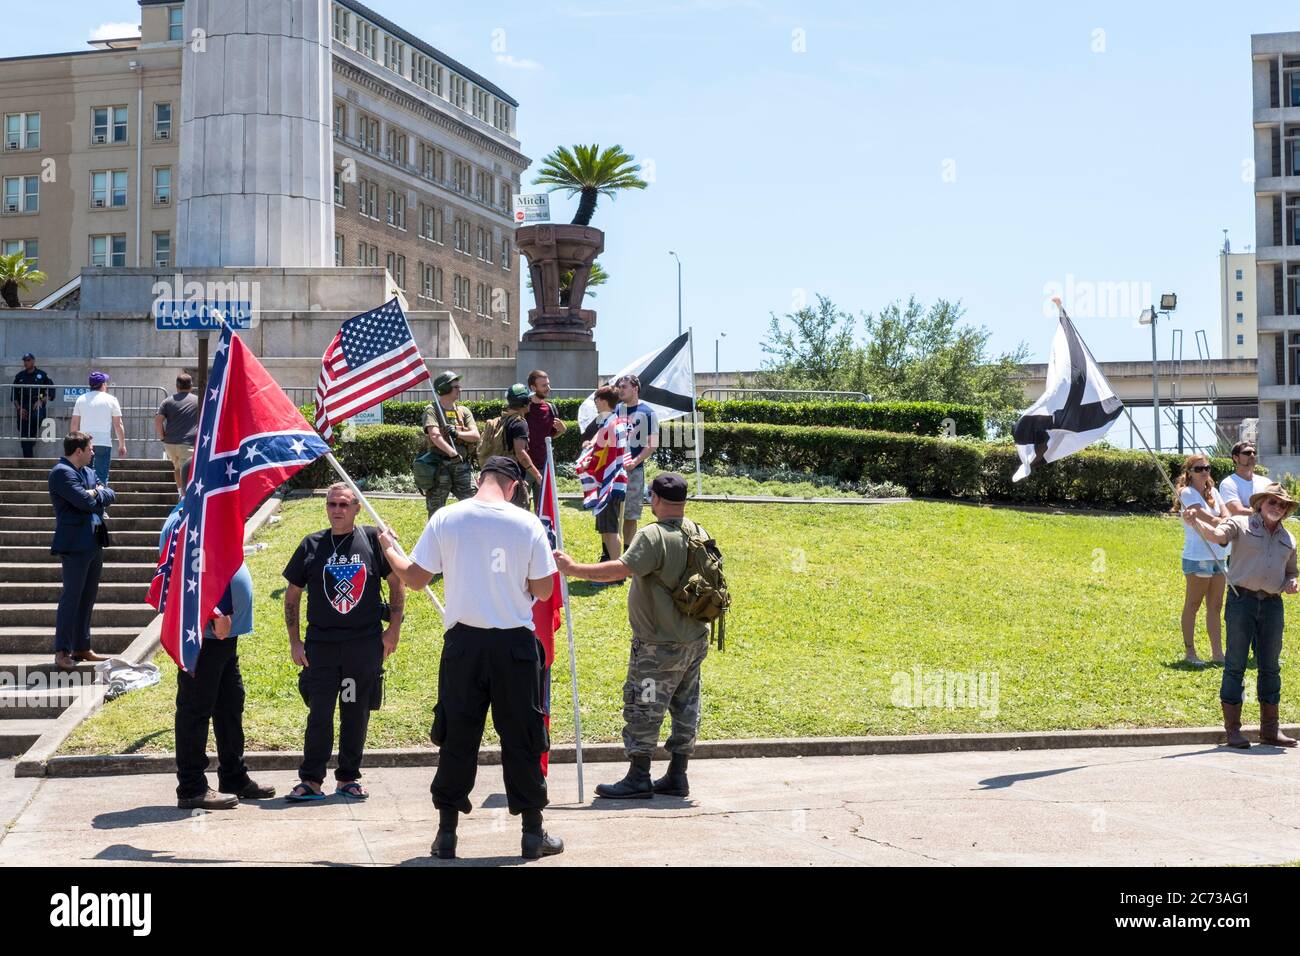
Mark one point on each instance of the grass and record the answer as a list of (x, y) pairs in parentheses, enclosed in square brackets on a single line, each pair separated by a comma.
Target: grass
[(1074, 616)]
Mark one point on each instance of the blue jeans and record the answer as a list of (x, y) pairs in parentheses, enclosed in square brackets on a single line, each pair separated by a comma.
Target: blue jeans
[(103, 458), (1251, 620)]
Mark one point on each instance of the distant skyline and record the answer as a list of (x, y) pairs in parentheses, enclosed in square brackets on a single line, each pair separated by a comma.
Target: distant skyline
[(869, 152)]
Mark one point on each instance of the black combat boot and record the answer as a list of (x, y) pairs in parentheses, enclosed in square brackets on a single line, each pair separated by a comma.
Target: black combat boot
[(635, 786), (536, 842), (444, 842), (673, 783)]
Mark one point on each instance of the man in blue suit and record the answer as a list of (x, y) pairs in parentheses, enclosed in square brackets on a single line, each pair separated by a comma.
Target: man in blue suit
[(79, 500)]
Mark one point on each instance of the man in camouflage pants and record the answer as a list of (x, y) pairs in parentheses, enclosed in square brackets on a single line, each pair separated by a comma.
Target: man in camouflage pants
[(453, 475), (663, 671)]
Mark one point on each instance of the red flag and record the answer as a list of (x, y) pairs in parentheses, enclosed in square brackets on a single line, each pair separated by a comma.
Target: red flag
[(546, 614), (251, 439)]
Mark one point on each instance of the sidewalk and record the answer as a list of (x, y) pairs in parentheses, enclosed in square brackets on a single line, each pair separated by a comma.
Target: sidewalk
[(1139, 806)]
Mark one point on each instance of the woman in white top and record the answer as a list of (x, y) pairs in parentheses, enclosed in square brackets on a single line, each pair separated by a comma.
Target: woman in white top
[(1205, 580)]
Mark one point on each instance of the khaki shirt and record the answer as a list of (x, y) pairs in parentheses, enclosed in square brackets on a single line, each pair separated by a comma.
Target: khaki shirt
[(458, 416), (1260, 561), (658, 554)]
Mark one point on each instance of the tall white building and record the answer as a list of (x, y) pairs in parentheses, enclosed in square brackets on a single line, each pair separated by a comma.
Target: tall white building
[(1237, 281)]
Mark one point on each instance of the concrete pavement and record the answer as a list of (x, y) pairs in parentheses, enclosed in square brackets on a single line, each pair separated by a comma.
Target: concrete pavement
[(1135, 806)]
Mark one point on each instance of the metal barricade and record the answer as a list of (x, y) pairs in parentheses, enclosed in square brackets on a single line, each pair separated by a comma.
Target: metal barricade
[(784, 395), (49, 417)]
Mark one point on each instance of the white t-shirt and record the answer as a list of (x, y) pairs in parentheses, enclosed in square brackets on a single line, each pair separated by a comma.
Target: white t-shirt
[(487, 553), (1194, 546), (97, 410), (1237, 488)]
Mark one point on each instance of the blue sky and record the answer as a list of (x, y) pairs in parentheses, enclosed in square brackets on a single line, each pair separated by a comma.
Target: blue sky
[(868, 151)]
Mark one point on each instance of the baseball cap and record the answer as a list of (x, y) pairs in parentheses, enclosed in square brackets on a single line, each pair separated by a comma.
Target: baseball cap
[(518, 394), (98, 378), (28, 355), (669, 487), (503, 466)]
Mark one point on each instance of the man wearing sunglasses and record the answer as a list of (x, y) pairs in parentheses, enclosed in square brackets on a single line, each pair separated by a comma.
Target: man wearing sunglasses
[(1238, 487)]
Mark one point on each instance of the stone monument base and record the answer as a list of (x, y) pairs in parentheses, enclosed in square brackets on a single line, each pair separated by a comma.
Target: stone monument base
[(569, 364)]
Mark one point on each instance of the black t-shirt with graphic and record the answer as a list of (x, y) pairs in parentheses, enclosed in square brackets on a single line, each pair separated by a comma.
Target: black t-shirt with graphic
[(341, 574)]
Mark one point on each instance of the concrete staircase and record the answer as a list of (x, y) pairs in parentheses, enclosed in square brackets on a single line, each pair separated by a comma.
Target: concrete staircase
[(31, 699)]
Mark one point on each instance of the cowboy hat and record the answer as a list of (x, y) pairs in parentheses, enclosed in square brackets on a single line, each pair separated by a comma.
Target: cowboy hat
[(1274, 490)]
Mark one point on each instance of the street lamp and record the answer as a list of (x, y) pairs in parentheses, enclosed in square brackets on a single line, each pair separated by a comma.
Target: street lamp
[(1168, 303), (716, 351), (679, 291)]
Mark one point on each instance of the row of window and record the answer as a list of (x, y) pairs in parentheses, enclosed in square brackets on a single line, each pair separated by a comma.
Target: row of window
[(430, 161), (108, 125), (488, 300), (105, 250), (108, 190), (423, 71)]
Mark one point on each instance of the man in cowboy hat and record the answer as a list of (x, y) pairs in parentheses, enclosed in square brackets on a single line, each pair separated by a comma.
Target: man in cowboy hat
[(451, 431), (1263, 567)]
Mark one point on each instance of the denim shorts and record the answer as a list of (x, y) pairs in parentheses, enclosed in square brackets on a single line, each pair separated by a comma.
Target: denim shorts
[(1202, 569)]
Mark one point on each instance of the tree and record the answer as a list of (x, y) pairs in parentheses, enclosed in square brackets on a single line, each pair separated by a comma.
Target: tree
[(591, 172), (17, 275), (908, 353)]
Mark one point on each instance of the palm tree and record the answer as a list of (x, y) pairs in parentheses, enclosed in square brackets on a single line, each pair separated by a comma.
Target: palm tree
[(591, 172), (15, 275), (597, 276)]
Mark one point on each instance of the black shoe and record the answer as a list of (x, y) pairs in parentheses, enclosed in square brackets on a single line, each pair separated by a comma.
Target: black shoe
[(210, 800), (635, 786), (252, 791), (534, 846), (673, 783), (444, 845)]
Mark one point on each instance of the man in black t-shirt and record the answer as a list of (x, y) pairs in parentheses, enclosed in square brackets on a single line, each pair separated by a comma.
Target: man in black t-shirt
[(516, 441), (342, 658)]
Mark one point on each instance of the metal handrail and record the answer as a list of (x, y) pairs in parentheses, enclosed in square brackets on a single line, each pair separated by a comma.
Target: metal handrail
[(799, 394)]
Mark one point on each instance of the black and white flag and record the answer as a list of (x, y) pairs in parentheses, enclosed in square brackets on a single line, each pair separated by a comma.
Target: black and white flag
[(1076, 409), (667, 382)]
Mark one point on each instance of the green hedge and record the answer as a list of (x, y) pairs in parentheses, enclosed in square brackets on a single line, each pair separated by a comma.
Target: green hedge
[(915, 418)]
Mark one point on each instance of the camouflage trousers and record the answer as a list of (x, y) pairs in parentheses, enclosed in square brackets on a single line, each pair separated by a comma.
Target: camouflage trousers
[(662, 677), (450, 479)]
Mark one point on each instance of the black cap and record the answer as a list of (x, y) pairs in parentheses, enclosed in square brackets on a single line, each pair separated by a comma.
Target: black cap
[(503, 466), (669, 487), (28, 355)]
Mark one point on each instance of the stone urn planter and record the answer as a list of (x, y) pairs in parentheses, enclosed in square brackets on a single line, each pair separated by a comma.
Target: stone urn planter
[(552, 250)]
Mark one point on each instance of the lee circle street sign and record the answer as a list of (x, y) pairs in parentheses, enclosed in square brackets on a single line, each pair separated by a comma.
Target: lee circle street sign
[(200, 315), (534, 207)]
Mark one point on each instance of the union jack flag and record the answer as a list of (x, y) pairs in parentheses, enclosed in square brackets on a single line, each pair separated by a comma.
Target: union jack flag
[(602, 468), (251, 439), (372, 358)]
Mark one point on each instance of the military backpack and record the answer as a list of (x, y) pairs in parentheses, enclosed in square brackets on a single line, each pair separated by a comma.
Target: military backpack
[(701, 593), (492, 440)]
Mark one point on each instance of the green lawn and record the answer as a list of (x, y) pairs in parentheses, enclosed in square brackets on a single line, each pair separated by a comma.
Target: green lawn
[(835, 609)]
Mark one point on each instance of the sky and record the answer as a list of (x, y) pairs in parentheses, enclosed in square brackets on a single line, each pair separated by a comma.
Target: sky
[(872, 151)]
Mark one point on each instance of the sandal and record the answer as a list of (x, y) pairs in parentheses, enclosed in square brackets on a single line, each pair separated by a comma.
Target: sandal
[(352, 789), (302, 793)]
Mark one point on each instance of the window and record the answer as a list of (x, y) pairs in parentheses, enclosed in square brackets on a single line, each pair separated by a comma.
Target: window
[(367, 39), (162, 250), (108, 188), (338, 187), (108, 125), (368, 134), (1238, 296), (481, 98), (368, 198), (1240, 318), (395, 203), (23, 131), (109, 251), (342, 25), (1241, 340), (426, 280), (1238, 273), (426, 73), (175, 20), (433, 162), (483, 186), (461, 176), (501, 116), (338, 249), (22, 194), (505, 254), (430, 223), (506, 198), (458, 91), (437, 284), (505, 351), (505, 315), (396, 146), (162, 185), (28, 248), (397, 268), (460, 292), (460, 235), (484, 246), (393, 54), (367, 255), (340, 120), (162, 121)]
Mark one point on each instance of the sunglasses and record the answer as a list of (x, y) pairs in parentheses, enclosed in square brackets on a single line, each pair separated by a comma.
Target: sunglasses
[(1246, 454), (1200, 468)]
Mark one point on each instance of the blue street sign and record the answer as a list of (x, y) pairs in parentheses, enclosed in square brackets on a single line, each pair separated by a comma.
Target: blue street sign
[(199, 315)]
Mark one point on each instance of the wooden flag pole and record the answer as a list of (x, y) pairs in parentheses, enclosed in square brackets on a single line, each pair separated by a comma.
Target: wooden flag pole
[(568, 618), (347, 479)]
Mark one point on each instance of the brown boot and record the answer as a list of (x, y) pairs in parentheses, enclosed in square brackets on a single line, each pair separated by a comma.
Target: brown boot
[(64, 662), (1269, 732), (87, 655), (1232, 724)]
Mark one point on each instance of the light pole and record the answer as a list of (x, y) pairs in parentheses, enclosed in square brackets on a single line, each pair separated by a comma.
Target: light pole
[(679, 291), (716, 365), (1168, 302)]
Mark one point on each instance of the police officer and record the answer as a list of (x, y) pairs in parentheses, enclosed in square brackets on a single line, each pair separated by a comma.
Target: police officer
[(495, 560), (32, 390), (450, 434), (663, 671)]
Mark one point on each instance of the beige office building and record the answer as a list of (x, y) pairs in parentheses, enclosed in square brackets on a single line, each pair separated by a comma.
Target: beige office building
[(1237, 295), (425, 158)]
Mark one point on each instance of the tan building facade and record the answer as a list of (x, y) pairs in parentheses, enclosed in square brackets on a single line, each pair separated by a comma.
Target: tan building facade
[(1237, 294), (425, 157)]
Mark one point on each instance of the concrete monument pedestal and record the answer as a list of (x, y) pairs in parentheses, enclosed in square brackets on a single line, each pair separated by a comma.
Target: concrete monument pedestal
[(560, 340)]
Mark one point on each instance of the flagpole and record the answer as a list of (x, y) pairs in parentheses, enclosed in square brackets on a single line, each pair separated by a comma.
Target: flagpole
[(347, 479), (695, 417), (568, 617)]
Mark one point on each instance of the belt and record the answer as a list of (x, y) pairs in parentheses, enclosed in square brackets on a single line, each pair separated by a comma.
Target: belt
[(1259, 595)]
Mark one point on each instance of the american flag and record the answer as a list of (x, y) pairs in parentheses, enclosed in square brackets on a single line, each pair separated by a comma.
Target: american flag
[(251, 440), (373, 358)]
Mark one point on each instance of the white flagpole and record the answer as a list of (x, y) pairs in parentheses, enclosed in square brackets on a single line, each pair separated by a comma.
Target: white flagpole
[(568, 617), (695, 418), (347, 479)]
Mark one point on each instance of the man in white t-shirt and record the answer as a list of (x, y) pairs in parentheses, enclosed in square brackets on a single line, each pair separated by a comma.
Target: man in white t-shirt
[(1237, 488), (99, 415), (495, 559)]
